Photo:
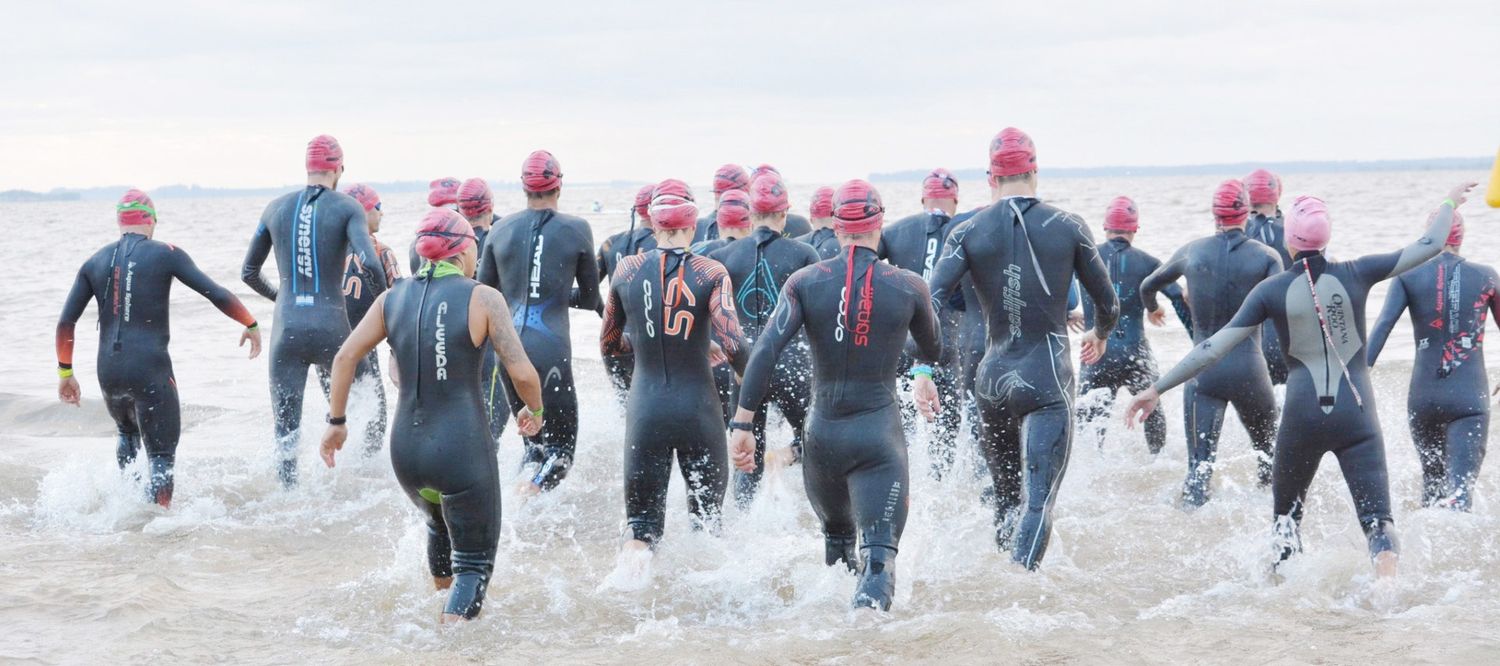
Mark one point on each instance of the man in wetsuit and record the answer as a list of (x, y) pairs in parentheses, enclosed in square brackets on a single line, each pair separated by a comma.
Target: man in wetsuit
[(1022, 254), (441, 193), (534, 258), (1447, 405), (1221, 270), (1127, 362), (659, 298), (914, 243), (359, 293), (439, 323), (312, 231), (726, 178), (1318, 307), (822, 236), (1265, 225), (857, 313), (796, 225), (130, 280), (758, 266), (640, 237)]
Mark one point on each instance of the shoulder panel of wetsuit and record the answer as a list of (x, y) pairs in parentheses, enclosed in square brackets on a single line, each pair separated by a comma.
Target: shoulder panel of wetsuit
[(1093, 276), (1396, 302), (1245, 322)]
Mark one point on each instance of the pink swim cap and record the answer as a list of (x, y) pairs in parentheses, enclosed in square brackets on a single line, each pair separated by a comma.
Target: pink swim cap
[(1012, 153), (643, 201), (324, 154), (731, 177), (540, 172), (365, 195), (1231, 203), (475, 199), (768, 194), (1264, 187), (1122, 215), (443, 234), (443, 192), (672, 205), (822, 203), (940, 184), (762, 170), (734, 210), (1456, 232), (857, 208), (135, 208), (1308, 226)]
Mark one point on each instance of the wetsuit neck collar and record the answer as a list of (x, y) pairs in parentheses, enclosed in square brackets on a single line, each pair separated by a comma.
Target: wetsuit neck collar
[(1121, 242), (936, 219), (765, 235), (433, 270)]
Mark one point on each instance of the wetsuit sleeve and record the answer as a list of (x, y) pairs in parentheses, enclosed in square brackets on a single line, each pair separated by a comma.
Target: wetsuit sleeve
[(951, 268), (488, 272), (255, 258), (1173, 292), (189, 274), (726, 324), (1395, 303), (1092, 275), (78, 299), (925, 335), (586, 295), (786, 321), (599, 260), (612, 340), (363, 247), (1377, 267), (1164, 275), (391, 264), (1245, 322)]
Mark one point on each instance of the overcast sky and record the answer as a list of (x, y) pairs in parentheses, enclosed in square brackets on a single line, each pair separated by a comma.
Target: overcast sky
[(227, 94)]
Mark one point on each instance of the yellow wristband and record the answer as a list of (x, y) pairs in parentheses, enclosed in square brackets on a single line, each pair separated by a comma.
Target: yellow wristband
[(64, 372)]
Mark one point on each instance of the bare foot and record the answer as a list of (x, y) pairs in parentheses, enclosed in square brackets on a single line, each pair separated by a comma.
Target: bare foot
[(449, 618), (1385, 564), (527, 489), (442, 582)]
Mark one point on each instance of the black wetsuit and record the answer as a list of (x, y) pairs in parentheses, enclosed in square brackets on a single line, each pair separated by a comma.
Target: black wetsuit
[(1127, 362), (359, 295), (1448, 404), (1272, 232), (724, 376), (854, 463), (708, 227), (440, 445), (312, 231), (1330, 402), (130, 281), (665, 306), (1022, 255), (534, 257), (1221, 270), (758, 265), (611, 252), (824, 240)]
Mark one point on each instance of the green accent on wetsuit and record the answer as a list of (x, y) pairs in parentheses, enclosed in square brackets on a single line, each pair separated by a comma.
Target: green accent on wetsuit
[(431, 495), (433, 270)]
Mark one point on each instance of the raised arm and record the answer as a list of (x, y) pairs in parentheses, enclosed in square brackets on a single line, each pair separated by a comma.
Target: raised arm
[(785, 322), (1395, 303), (1245, 322), (1377, 267), (255, 258), (1164, 275)]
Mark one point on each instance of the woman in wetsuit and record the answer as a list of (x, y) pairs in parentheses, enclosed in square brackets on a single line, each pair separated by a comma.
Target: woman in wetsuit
[(1318, 307), (439, 323)]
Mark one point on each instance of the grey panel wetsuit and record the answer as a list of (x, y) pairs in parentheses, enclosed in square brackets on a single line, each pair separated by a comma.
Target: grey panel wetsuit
[(824, 240), (534, 257), (1022, 254), (1272, 232), (359, 295), (854, 463), (1330, 403), (1128, 362), (1448, 405), (665, 306), (441, 449), (312, 231), (758, 265), (130, 281), (611, 252), (1221, 270)]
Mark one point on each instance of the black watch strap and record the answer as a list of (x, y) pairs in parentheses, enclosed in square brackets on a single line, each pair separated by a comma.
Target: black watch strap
[(340, 420), (741, 425)]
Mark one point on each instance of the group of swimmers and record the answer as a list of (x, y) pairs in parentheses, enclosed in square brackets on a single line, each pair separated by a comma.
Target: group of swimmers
[(822, 317)]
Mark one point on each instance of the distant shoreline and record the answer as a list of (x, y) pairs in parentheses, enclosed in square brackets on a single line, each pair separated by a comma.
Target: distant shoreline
[(110, 193)]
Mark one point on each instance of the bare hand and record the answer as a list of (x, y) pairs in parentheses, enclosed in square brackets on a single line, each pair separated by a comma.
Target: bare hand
[(1158, 317), (1075, 321), (924, 392), (333, 441), (528, 423), (67, 390), (1142, 403), (252, 335), (742, 450), (716, 354), (1092, 348), (1460, 193), (779, 459)]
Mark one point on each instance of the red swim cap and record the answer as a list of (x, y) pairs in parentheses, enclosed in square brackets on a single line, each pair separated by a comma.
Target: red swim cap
[(734, 210), (731, 177), (1264, 187), (443, 192), (364, 194), (857, 208), (1308, 227), (672, 205), (324, 154), (940, 184), (135, 208), (1012, 153), (1121, 215), (762, 170), (443, 234), (475, 199), (1231, 203), (540, 172), (643, 201), (768, 194), (822, 203)]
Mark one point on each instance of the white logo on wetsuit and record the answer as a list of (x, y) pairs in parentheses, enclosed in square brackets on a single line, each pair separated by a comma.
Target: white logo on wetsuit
[(441, 348), (304, 241), (536, 268), (843, 321), (129, 286), (646, 298), (1011, 299), (931, 259)]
